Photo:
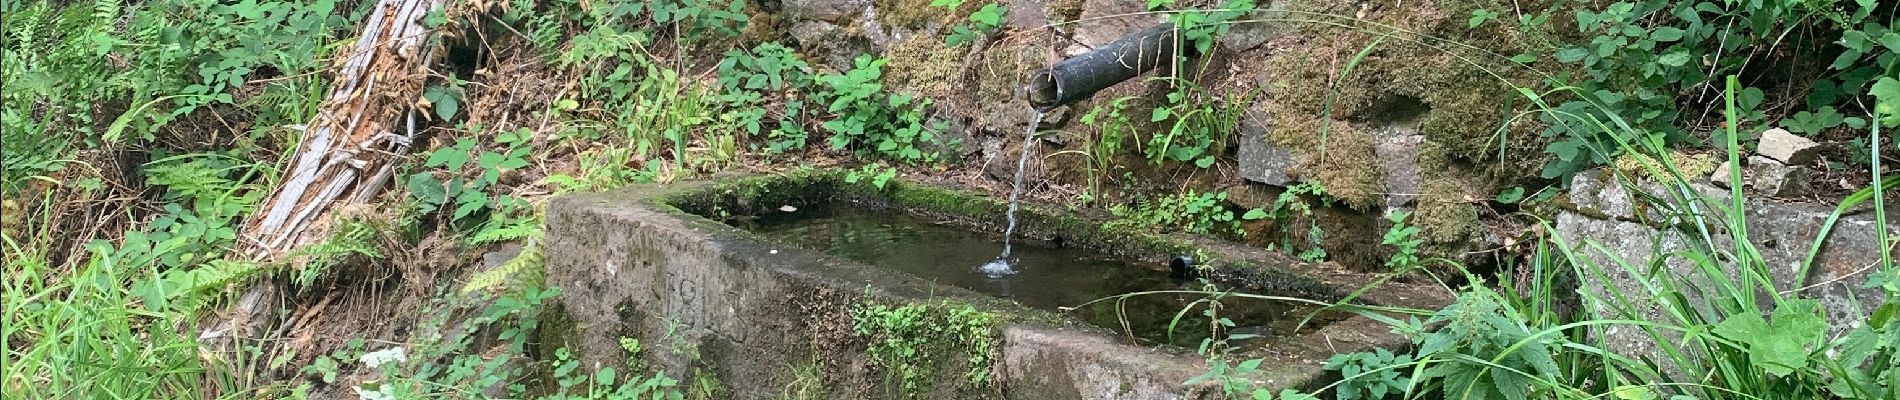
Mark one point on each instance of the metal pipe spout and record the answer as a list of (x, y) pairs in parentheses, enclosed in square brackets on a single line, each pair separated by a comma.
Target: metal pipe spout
[(1081, 76)]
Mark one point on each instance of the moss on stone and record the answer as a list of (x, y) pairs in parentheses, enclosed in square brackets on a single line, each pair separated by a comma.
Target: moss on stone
[(762, 27), (1445, 216), (908, 14), (923, 65), (1428, 56), (1341, 160), (1692, 166)]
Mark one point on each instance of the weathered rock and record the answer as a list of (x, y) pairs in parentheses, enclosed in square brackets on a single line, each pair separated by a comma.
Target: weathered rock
[(830, 43), (1027, 14), (1599, 196), (1253, 195), (1720, 177), (1251, 32), (1104, 21), (1002, 167), (1782, 146), (1260, 160), (1766, 176), (1783, 233), (1772, 178), (834, 11), (1397, 149), (501, 255)]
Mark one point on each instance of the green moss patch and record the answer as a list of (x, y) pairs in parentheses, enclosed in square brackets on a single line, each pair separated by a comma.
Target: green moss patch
[(1423, 52), (924, 65)]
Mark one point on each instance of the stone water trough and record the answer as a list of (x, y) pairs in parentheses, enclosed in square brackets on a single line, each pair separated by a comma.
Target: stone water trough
[(718, 306)]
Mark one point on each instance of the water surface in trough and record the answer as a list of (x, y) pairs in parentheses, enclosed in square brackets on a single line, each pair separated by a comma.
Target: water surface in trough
[(1045, 276)]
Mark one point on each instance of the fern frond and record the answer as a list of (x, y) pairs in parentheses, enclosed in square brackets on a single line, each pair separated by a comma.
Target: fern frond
[(526, 270)]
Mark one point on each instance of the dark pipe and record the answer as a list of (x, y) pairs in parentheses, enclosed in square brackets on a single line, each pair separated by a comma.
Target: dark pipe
[(1081, 76), (1182, 267)]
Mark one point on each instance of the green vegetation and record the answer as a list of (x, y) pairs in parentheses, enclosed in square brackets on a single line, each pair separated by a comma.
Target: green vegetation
[(984, 21), (753, 81), (874, 121), (1645, 59), (1362, 385), (913, 342), (138, 138), (1739, 336), (1292, 207), (1189, 212), (1402, 237)]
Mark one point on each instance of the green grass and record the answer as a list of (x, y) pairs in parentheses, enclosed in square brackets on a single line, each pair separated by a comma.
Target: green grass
[(81, 334)]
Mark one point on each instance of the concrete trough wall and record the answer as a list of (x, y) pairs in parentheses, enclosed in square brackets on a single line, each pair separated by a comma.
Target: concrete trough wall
[(762, 319)]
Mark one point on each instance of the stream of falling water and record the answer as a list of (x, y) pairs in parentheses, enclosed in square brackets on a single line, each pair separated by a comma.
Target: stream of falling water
[(1001, 266)]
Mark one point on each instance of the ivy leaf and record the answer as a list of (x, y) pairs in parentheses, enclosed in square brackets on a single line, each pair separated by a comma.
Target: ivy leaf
[(1256, 213), (452, 157), (1567, 150), (1290, 394), (1478, 17)]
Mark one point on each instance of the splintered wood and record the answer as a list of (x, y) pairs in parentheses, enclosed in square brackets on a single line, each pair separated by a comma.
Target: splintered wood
[(350, 150)]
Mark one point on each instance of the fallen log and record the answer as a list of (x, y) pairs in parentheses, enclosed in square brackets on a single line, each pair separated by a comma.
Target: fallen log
[(349, 151)]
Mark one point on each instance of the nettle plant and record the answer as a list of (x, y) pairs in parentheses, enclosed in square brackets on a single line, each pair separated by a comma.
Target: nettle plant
[(753, 82), (1290, 207), (467, 197), (1199, 28), (880, 123)]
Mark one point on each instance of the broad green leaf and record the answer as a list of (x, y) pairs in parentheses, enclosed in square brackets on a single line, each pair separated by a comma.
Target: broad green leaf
[(1886, 94), (1674, 59), (1666, 34), (1512, 195), (424, 187)]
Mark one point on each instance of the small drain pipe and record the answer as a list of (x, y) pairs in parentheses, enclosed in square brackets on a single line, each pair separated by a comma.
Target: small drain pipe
[(1182, 267), (1081, 76)]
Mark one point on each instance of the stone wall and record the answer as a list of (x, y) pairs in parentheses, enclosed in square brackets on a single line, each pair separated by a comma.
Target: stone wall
[(1615, 222)]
